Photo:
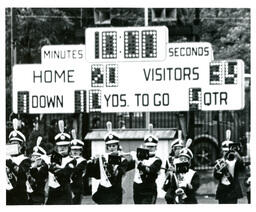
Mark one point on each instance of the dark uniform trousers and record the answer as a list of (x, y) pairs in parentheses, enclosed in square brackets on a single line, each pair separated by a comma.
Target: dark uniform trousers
[(111, 195), (77, 184), (146, 191), (229, 194), (61, 195)]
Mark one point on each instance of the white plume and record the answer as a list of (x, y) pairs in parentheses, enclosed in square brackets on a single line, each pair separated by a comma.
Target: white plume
[(109, 126), (61, 126)]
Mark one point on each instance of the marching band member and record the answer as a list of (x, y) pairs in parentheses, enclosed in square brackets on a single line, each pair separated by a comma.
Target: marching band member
[(176, 146), (226, 171), (185, 181), (76, 148), (146, 172), (18, 170), (39, 173), (109, 168), (60, 170)]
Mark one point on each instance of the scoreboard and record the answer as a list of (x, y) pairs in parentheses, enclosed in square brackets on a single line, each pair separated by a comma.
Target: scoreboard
[(128, 69)]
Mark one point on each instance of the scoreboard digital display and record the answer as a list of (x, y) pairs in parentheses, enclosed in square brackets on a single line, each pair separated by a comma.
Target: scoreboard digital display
[(224, 72), (126, 44)]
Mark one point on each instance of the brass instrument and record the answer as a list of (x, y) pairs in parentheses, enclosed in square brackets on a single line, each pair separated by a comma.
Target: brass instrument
[(180, 194), (230, 155), (220, 165), (177, 173)]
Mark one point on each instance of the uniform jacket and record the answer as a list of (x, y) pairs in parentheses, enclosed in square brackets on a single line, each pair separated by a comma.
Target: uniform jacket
[(108, 194), (61, 193), (171, 186), (39, 176), (232, 191), (77, 176), (18, 173), (145, 176)]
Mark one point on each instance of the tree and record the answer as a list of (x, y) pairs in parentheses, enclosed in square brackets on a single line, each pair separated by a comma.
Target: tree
[(228, 30), (32, 28)]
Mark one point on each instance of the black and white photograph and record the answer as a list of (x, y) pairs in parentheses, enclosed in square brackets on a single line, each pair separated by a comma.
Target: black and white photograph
[(125, 105)]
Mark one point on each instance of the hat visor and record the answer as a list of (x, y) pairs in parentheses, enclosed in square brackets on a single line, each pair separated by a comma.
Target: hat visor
[(150, 144), (225, 149), (76, 147), (185, 155), (60, 143), (16, 140), (36, 154), (112, 142)]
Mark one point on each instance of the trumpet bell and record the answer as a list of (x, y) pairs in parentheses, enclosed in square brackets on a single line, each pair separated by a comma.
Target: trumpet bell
[(220, 165)]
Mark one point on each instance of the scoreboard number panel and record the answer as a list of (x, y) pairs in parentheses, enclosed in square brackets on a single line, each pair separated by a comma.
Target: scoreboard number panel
[(126, 44), (95, 100), (80, 101), (131, 44), (23, 102), (109, 45), (149, 44), (97, 75), (225, 72), (195, 99)]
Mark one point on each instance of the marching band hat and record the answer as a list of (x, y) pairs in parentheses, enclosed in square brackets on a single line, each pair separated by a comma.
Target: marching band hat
[(111, 137), (76, 143), (150, 139), (225, 144), (38, 150), (178, 142), (16, 135), (62, 138), (187, 153)]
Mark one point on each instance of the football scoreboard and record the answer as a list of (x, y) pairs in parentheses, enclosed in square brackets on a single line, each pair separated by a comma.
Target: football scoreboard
[(128, 69)]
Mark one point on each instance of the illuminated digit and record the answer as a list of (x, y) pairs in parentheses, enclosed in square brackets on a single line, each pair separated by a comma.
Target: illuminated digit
[(109, 45), (97, 46), (97, 75), (149, 44), (94, 100), (230, 73), (216, 70), (131, 44), (195, 99), (112, 75), (23, 102), (80, 101)]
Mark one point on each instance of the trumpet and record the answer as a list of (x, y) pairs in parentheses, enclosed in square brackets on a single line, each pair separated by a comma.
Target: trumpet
[(230, 155), (220, 165)]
